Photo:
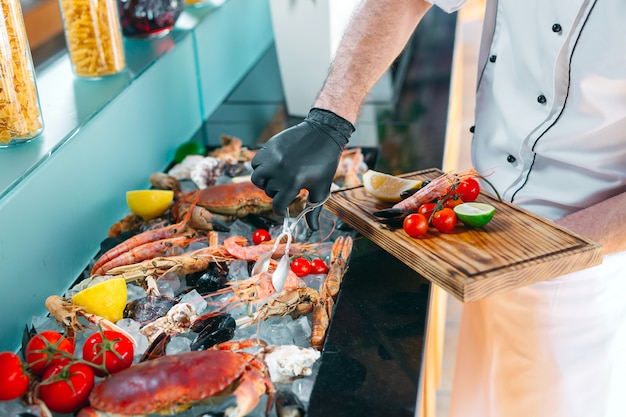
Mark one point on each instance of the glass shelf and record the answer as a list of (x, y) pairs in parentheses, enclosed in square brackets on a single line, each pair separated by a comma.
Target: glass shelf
[(107, 135)]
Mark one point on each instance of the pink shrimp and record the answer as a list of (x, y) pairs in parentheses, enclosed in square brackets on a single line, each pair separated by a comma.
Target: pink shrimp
[(434, 190), (141, 239), (147, 251), (236, 246), (254, 290)]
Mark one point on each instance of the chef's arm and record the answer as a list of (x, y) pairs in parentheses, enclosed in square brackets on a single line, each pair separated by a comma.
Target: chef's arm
[(376, 35), (307, 155), (604, 223)]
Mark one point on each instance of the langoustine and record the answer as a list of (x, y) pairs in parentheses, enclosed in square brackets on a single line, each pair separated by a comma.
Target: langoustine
[(434, 190), (322, 310)]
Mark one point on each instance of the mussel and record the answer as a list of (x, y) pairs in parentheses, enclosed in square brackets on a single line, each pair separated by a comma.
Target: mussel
[(148, 308), (212, 330), (209, 281)]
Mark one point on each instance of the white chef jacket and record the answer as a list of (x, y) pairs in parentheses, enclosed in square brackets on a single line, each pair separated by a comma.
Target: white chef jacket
[(551, 126)]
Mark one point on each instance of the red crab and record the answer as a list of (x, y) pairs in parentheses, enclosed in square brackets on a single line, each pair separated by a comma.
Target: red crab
[(171, 384)]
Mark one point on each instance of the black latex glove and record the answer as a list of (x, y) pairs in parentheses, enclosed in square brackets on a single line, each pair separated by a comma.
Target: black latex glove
[(303, 156)]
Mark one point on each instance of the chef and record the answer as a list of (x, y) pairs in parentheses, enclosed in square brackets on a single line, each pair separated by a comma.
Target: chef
[(551, 124)]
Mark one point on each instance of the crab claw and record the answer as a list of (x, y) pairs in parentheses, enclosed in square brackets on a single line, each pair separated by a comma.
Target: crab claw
[(252, 386), (201, 218)]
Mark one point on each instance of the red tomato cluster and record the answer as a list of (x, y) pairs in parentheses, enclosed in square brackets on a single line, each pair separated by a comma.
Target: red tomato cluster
[(65, 381), (302, 266), (441, 214)]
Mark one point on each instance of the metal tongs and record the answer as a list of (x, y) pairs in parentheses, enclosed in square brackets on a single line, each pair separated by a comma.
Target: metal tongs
[(263, 262)]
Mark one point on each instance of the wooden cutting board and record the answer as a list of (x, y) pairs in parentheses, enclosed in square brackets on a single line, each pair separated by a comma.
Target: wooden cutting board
[(515, 249)]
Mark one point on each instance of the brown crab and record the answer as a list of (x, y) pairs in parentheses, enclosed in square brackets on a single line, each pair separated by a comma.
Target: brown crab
[(174, 383)]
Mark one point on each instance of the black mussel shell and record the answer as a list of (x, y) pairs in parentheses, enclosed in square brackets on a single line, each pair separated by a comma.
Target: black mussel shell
[(210, 280), (156, 348), (212, 330), (148, 308)]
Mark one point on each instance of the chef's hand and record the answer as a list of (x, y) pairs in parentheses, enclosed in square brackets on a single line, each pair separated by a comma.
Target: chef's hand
[(303, 156)]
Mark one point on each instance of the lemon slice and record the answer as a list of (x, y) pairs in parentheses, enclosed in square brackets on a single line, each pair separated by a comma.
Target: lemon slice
[(387, 188), (149, 204), (474, 214), (106, 299)]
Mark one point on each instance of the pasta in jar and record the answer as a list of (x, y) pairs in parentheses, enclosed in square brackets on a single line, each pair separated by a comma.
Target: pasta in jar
[(94, 37), (20, 114)]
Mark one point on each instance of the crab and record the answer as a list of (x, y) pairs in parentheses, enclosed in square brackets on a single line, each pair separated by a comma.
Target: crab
[(174, 383)]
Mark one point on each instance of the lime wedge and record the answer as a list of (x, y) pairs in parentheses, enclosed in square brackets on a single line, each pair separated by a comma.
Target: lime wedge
[(189, 148), (474, 214)]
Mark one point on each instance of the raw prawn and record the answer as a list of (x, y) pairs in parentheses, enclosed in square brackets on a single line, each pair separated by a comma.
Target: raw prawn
[(434, 190), (184, 264), (140, 239), (66, 313), (236, 246), (147, 251), (255, 290), (294, 302), (322, 310)]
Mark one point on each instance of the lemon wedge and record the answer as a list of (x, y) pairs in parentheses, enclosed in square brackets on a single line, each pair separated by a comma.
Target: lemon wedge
[(106, 299), (149, 204), (474, 214), (387, 188)]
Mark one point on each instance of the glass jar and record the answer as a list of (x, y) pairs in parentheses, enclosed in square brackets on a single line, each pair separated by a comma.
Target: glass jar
[(20, 112), (196, 3), (93, 36), (149, 18)]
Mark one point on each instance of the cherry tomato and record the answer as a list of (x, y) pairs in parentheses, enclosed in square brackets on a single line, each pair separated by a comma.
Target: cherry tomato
[(47, 348), (261, 235), (444, 220), (318, 266), (415, 224), (66, 388), (301, 266), (427, 209), (468, 190), (452, 202), (13, 379), (109, 351)]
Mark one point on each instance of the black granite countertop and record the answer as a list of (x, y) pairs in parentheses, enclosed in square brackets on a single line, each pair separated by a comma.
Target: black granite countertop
[(371, 363)]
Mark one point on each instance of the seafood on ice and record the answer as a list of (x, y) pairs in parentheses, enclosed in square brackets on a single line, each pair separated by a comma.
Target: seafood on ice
[(229, 351)]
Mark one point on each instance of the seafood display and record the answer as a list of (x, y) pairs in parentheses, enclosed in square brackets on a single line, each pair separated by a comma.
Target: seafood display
[(211, 334)]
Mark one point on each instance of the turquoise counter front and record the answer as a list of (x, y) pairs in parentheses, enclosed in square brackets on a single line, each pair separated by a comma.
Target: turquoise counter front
[(60, 193)]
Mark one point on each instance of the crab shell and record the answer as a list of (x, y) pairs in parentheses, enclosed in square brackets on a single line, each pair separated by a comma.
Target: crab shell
[(238, 200), (171, 384)]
